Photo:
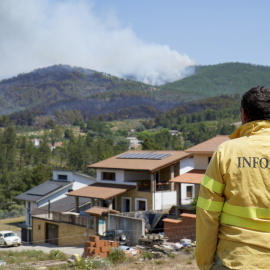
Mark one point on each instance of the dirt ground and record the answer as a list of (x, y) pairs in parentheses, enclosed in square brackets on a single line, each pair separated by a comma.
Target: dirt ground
[(181, 261)]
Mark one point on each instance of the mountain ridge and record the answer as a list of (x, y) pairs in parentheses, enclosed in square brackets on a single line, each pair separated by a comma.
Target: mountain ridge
[(97, 93)]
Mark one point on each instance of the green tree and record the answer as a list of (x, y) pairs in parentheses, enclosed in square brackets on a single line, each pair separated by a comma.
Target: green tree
[(150, 144)]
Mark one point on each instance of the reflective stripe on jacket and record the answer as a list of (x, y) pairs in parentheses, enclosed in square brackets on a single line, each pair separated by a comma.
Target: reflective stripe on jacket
[(233, 213)]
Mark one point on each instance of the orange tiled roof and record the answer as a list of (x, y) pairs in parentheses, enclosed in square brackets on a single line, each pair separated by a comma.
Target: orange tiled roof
[(209, 146), (99, 211), (100, 191), (141, 164), (192, 177)]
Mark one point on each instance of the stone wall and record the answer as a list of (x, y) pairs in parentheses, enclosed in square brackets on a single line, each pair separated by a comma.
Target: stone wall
[(133, 194), (179, 229), (68, 234)]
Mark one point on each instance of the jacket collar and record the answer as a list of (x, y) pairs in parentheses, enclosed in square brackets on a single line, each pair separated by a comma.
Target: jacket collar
[(250, 128)]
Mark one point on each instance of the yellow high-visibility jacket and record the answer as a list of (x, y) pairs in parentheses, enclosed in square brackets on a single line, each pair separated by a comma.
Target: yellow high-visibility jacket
[(233, 209)]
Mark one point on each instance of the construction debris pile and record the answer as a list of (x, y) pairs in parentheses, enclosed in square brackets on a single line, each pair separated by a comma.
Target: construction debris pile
[(157, 245)]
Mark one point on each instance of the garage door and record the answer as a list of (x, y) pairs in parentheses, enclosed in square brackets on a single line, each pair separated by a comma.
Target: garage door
[(52, 234)]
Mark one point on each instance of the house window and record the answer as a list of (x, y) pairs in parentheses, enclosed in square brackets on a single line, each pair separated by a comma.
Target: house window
[(144, 186), (141, 204), (62, 177), (108, 176), (39, 227), (189, 191)]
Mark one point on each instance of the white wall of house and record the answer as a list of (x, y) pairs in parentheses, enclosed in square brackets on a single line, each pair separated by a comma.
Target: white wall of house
[(186, 165), (81, 180), (69, 175), (119, 177), (72, 176), (185, 198), (164, 200), (201, 161)]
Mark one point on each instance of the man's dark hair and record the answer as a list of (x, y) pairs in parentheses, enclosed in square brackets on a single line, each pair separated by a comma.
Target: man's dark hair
[(256, 103)]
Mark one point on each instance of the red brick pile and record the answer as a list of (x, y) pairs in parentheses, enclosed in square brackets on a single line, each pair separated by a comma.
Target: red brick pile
[(97, 247)]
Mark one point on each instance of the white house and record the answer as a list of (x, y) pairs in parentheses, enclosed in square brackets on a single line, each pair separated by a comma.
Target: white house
[(137, 180), (52, 193)]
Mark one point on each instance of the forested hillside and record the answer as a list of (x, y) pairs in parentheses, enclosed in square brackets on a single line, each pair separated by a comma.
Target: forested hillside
[(64, 87), (216, 80), (60, 87)]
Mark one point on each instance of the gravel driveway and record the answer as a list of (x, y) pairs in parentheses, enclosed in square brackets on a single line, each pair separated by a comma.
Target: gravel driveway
[(46, 248)]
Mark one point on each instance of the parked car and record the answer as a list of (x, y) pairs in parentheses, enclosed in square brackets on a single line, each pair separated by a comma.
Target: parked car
[(118, 235), (9, 238)]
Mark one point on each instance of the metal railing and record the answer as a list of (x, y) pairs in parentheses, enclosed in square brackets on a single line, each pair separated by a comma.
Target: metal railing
[(65, 217), (138, 214), (163, 186)]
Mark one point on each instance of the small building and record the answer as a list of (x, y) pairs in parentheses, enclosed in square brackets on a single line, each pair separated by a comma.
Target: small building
[(174, 132), (134, 142)]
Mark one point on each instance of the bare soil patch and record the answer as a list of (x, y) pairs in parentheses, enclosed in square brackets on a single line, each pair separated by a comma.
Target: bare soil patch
[(182, 261)]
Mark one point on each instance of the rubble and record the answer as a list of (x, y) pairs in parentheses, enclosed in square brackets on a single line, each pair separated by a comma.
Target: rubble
[(161, 248), (185, 242), (158, 255), (152, 239)]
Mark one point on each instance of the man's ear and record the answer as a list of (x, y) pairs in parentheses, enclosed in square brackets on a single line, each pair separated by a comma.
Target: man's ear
[(243, 116)]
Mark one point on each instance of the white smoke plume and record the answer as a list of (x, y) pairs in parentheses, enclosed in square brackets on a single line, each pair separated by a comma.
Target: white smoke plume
[(41, 33)]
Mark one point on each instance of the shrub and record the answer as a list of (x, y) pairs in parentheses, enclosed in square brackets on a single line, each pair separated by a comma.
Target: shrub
[(116, 256), (172, 255), (57, 254), (147, 255), (90, 263)]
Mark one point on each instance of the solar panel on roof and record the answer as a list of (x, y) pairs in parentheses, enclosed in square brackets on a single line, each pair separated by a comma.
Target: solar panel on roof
[(150, 155)]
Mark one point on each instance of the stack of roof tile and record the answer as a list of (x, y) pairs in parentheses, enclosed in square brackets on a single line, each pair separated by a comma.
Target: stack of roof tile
[(97, 247)]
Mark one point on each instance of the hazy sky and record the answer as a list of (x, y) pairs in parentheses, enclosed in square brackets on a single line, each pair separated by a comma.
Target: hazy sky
[(152, 40)]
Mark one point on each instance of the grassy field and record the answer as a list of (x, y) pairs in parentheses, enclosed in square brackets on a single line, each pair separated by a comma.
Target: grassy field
[(11, 224), (126, 124)]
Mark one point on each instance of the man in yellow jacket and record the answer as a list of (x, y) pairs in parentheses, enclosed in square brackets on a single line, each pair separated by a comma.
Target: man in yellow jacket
[(233, 209)]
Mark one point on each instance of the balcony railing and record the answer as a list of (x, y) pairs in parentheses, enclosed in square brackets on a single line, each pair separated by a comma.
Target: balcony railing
[(145, 186), (65, 217), (163, 186)]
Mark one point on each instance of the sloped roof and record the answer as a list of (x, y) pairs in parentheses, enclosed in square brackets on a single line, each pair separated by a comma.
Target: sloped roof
[(209, 146), (100, 211), (191, 177), (141, 163), (65, 204), (101, 191), (43, 190)]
